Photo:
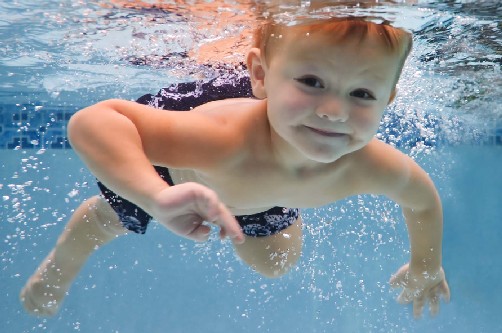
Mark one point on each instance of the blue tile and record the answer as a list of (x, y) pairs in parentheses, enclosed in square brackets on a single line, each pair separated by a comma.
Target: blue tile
[(28, 127)]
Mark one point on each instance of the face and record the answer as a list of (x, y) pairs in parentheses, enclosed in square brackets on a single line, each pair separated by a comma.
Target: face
[(324, 100)]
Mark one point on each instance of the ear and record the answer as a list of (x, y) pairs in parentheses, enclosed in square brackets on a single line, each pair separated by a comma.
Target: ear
[(256, 67), (392, 95)]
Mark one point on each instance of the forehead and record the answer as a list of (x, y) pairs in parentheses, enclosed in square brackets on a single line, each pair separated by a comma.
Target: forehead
[(326, 47), (321, 40), (319, 54)]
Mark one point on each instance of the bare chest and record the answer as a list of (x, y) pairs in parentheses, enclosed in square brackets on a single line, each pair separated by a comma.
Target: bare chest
[(249, 190)]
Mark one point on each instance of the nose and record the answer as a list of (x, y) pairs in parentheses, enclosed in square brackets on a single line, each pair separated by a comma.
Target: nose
[(333, 109)]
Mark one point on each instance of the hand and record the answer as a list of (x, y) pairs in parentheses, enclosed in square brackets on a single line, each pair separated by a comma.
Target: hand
[(183, 208), (421, 288)]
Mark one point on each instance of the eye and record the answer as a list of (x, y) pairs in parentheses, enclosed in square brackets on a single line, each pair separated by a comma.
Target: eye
[(363, 94), (311, 81)]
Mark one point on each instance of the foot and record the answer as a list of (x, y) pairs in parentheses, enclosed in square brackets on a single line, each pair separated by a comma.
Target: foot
[(46, 288)]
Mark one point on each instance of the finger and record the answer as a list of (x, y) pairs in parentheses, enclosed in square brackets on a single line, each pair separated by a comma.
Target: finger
[(445, 290), (200, 233), (229, 227), (396, 281), (405, 297), (418, 306), (215, 212), (434, 303), (207, 203)]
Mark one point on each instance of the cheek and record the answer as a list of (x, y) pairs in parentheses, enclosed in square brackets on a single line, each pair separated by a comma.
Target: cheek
[(367, 120), (292, 104)]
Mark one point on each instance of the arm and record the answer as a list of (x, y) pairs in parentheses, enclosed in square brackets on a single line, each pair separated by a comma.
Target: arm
[(120, 140), (110, 144), (422, 279), (398, 177), (423, 213)]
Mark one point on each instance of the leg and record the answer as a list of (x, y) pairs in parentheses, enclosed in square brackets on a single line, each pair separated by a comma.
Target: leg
[(273, 256), (92, 225)]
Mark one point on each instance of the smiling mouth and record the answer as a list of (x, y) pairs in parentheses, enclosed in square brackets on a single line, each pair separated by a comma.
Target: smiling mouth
[(326, 133)]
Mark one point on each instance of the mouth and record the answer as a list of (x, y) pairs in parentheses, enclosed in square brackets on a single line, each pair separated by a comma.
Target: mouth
[(327, 133)]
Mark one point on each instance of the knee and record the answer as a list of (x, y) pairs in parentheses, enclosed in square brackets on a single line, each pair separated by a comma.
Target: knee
[(104, 217)]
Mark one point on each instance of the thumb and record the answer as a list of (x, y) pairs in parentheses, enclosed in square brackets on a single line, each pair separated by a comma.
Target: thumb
[(395, 281), (200, 233), (398, 279)]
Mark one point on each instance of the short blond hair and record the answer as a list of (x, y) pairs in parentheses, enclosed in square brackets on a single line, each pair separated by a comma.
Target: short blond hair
[(396, 40)]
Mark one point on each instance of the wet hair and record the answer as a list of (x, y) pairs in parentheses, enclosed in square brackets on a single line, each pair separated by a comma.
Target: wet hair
[(267, 37)]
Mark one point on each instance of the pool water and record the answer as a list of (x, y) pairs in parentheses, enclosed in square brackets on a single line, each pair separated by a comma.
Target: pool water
[(65, 55)]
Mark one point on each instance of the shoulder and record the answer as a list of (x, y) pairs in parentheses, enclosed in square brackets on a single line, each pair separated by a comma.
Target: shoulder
[(240, 119), (382, 167), (209, 136), (388, 171)]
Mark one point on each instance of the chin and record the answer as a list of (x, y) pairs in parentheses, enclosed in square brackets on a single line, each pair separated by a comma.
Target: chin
[(325, 158)]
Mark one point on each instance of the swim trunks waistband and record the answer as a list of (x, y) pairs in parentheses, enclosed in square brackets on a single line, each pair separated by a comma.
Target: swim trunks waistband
[(261, 224)]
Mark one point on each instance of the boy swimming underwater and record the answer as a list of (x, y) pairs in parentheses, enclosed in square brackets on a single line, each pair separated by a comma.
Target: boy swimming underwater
[(248, 165)]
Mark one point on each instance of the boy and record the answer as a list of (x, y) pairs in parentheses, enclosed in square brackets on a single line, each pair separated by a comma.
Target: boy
[(306, 140)]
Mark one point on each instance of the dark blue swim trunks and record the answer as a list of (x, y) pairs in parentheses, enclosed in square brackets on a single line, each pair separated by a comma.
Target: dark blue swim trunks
[(184, 97)]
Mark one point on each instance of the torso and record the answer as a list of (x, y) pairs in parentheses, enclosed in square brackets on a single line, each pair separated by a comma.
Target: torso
[(253, 183)]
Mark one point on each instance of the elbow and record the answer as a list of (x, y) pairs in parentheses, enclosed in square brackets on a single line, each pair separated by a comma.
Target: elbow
[(81, 125), (430, 212), (75, 128)]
